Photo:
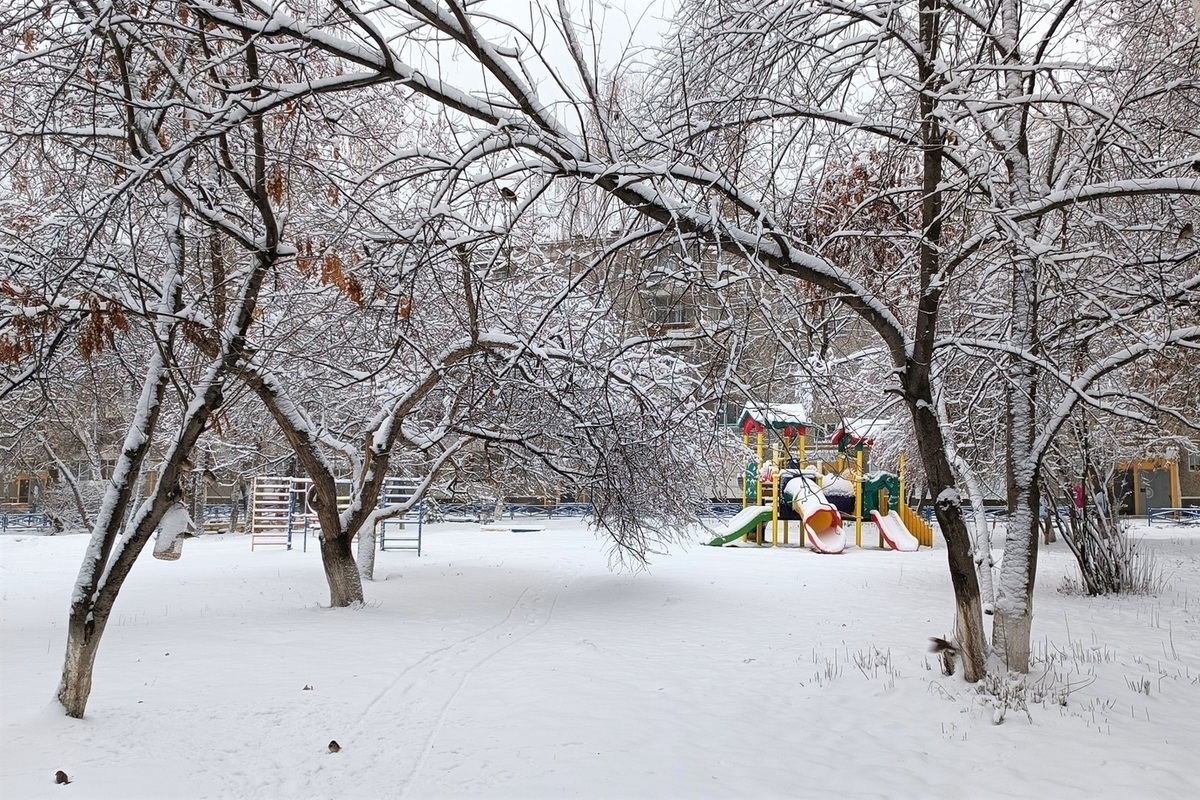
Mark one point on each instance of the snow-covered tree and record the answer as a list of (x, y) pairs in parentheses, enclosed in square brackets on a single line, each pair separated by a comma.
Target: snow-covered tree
[(1043, 216), (1000, 125), (202, 209)]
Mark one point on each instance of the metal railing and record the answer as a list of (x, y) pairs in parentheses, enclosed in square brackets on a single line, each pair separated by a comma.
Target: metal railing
[(1179, 516), (23, 521), (483, 511)]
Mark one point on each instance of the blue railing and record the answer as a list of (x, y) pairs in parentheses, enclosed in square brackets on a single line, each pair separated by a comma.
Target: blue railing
[(723, 510), (217, 513), (481, 511), (1179, 516), (10, 521)]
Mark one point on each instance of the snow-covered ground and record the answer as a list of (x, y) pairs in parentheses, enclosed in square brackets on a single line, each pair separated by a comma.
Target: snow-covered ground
[(506, 664)]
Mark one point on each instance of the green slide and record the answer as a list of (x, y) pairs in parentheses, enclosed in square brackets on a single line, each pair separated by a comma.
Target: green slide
[(742, 523)]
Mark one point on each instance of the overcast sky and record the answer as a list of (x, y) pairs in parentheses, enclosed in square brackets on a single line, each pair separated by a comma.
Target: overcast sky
[(613, 32)]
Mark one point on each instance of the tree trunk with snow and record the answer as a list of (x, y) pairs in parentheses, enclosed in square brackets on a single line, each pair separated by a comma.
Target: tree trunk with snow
[(337, 555), (341, 571), (83, 643), (1013, 619), (237, 496), (87, 618), (367, 544), (982, 539), (916, 368), (198, 490), (116, 543), (968, 618)]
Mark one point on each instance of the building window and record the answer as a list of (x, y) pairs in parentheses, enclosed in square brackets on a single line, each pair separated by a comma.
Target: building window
[(665, 311), (728, 414), (1194, 461)]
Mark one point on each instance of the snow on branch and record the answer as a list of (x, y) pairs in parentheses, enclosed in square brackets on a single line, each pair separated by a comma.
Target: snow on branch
[(1101, 191)]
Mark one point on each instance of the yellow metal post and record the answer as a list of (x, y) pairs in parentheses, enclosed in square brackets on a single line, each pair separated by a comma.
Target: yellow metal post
[(775, 499), (858, 503), (882, 501), (803, 449), (1137, 491), (1173, 469)]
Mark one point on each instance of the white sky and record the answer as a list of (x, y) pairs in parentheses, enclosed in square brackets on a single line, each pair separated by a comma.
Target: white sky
[(613, 32)]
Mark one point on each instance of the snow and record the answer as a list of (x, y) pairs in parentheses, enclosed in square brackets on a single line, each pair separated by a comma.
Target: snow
[(518, 665), (174, 523), (837, 485), (894, 531), (740, 520), (777, 414), (870, 427), (948, 497)]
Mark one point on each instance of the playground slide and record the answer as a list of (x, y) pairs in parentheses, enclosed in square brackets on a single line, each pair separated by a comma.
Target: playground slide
[(892, 528), (822, 522), (742, 523)]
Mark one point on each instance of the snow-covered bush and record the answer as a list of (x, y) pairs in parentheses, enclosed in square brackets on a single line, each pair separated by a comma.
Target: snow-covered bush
[(433, 510), (1110, 561), (66, 509)]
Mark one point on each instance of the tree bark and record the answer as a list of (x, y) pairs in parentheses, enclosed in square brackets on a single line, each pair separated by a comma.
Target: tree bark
[(337, 556), (75, 685), (1013, 620), (967, 604), (342, 572), (110, 558), (982, 540), (367, 545), (916, 367), (87, 616)]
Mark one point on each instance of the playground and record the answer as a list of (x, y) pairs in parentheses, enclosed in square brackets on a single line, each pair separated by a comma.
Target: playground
[(786, 492), (511, 664)]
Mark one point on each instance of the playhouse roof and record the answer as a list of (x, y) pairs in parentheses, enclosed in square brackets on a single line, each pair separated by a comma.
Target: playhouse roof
[(776, 416), (864, 430), (868, 427)]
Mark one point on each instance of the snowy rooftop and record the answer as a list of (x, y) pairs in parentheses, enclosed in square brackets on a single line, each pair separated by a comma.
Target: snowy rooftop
[(776, 415), (869, 427)]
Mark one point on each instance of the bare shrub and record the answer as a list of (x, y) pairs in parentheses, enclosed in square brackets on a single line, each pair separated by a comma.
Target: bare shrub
[(1110, 561)]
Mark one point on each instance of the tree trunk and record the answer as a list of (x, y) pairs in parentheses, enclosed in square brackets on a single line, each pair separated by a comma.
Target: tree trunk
[(337, 556), (236, 497), (199, 490), (947, 508), (915, 366), (1014, 596), (83, 643), (1013, 621), (367, 545), (341, 571), (982, 541)]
